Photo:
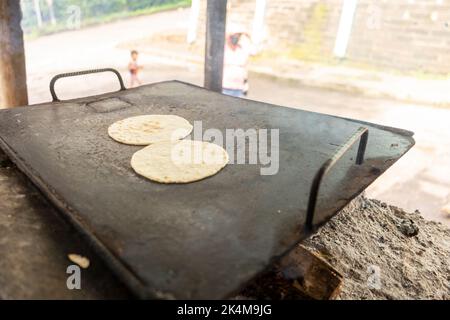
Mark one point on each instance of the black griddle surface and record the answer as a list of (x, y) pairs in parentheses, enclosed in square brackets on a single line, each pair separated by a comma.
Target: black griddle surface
[(200, 240)]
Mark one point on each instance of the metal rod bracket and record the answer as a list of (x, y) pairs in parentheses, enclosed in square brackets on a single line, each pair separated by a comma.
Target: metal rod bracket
[(362, 134), (80, 73)]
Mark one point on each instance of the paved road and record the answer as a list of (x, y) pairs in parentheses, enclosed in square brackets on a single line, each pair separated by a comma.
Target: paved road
[(420, 180)]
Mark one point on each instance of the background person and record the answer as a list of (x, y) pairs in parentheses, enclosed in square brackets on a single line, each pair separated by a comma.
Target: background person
[(238, 48), (134, 68)]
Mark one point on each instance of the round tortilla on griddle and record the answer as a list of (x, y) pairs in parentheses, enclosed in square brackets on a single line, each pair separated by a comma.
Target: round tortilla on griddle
[(148, 129), (179, 162)]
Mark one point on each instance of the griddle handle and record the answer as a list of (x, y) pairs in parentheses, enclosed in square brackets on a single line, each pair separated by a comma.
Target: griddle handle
[(362, 134), (80, 73)]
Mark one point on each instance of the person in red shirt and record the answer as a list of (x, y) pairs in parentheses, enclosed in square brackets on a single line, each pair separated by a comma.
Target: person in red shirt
[(134, 69)]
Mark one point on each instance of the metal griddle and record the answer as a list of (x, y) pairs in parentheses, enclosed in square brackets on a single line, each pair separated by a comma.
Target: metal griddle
[(204, 239)]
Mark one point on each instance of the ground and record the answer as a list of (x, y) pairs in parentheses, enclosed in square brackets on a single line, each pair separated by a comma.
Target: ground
[(420, 180), (381, 251), (384, 252)]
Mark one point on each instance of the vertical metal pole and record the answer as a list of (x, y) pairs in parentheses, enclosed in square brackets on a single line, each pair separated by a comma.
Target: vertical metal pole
[(216, 12), (345, 28), (258, 21), (13, 79), (193, 19)]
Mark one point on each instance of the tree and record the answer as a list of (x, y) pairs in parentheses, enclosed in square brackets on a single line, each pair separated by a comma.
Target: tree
[(37, 9), (51, 11)]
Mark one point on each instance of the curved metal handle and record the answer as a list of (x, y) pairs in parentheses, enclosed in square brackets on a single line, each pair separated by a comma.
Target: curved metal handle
[(80, 73), (363, 135)]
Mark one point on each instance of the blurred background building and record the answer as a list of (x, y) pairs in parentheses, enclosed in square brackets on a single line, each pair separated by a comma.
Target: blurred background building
[(406, 35)]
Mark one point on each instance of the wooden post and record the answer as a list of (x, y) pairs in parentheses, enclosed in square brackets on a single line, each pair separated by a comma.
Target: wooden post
[(13, 80), (216, 12), (312, 275)]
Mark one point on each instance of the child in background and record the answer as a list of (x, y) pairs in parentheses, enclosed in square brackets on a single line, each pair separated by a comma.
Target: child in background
[(134, 69)]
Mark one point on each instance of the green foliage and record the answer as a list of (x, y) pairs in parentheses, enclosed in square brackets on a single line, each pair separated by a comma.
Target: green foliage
[(92, 11), (142, 4)]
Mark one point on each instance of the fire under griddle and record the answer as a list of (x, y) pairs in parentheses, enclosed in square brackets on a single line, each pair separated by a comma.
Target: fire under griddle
[(209, 238)]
